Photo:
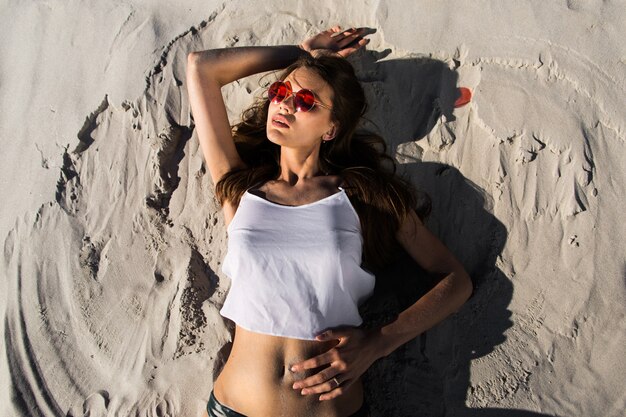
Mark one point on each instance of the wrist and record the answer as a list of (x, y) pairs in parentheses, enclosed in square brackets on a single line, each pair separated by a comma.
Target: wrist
[(380, 345), (303, 49)]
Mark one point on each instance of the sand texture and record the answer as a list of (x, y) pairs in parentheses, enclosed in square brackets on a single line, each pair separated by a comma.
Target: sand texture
[(112, 240)]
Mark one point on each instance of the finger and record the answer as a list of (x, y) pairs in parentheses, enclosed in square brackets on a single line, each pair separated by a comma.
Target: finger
[(361, 43), (337, 391), (336, 28), (316, 362), (349, 50), (321, 388), (324, 387), (348, 40), (320, 378), (346, 32), (335, 334), (339, 334)]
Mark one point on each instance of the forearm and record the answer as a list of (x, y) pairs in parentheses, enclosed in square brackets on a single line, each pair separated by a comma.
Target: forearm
[(226, 65), (441, 301)]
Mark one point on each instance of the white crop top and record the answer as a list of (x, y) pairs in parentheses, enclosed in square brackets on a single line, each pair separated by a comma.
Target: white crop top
[(295, 270)]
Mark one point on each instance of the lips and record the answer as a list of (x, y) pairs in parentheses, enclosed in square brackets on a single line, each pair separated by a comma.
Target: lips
[(282, 121)]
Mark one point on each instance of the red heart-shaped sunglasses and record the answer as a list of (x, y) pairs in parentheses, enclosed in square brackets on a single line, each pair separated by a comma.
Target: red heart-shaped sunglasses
[(303, 100)]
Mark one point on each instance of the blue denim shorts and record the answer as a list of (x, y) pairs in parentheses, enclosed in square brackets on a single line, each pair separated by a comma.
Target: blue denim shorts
[(217, 409)]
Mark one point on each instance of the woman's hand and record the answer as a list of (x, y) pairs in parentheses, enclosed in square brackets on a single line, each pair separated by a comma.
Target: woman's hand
[(335, 41), (348, 360)]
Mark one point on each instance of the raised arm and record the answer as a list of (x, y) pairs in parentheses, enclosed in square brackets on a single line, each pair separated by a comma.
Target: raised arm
[(207, 72)]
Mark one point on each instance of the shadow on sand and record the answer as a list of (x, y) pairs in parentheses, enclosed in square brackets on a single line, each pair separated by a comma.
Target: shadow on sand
[(430, 375)]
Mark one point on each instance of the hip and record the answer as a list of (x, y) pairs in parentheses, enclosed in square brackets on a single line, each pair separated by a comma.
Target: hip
[(216, 409)]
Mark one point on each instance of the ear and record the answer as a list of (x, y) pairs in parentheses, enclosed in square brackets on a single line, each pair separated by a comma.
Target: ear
[(331, 133)]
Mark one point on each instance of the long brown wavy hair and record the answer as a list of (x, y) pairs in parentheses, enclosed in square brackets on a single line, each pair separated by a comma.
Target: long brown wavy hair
[(381, 197)]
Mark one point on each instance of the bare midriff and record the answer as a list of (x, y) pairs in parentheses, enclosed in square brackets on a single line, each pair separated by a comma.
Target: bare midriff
[(256, 380)]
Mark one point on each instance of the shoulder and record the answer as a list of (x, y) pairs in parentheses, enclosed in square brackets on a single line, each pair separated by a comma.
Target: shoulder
[(231, 204), (229, 209), (338, 181)]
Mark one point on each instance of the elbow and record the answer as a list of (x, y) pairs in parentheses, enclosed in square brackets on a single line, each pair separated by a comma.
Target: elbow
[(202, 64), (199, 59), (204, 58), (193, 58)]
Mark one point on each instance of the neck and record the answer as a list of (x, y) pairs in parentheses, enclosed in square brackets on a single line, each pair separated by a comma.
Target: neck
[(298, 164)]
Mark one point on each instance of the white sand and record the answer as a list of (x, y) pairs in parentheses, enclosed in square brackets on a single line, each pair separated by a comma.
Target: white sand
[(111, 281)]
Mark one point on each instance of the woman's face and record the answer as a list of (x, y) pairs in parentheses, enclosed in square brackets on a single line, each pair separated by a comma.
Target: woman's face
[(305, 129)]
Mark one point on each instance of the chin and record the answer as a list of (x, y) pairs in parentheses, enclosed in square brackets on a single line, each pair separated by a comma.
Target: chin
[(274, 137), (271, 136)]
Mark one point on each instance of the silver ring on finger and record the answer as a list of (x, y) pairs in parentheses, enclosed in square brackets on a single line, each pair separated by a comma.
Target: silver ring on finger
[(337, 383)]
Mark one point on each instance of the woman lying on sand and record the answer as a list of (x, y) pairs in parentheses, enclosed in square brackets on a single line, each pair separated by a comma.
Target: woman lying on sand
[(304, 197)]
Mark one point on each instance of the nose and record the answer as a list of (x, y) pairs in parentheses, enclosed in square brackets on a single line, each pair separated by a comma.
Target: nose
[(288, 103)]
